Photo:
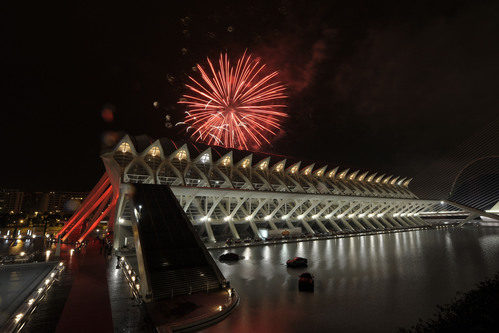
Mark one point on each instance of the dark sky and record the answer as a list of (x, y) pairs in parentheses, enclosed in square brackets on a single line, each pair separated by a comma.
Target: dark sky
[(374, 85)]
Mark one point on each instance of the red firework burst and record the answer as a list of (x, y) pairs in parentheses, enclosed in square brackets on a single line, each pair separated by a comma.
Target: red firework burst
[(235, 107)]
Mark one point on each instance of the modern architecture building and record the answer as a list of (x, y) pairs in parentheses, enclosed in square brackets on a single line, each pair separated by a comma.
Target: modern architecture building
[(235, 194)]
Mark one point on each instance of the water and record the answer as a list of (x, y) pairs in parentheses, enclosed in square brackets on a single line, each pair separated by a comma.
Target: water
[(14, 247), (362, 284)]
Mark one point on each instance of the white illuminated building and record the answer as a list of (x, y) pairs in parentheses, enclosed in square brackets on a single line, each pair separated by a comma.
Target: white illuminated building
[(243, 194)]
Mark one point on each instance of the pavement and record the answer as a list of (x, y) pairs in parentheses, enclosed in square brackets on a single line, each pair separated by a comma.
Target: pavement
[(88, 307)]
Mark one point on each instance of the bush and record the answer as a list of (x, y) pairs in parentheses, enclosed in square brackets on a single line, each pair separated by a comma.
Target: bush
[(474, 311)]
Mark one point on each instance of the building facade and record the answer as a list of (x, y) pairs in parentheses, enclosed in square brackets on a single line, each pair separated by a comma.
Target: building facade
[(235, 194)]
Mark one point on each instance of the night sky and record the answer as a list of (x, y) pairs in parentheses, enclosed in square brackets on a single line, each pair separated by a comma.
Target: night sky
[(373, 85)]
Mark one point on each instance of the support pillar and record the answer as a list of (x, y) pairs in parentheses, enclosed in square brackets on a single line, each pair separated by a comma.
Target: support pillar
[(335, 226), (375, 222), (308, 227), (321, 225), (255, 229), (234, 230), (209, 231)]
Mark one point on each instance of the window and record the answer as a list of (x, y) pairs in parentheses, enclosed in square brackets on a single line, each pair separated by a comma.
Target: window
[(124, 147), (205, 158), (182, 154), (154, 151), (226, 161), (245, 163)]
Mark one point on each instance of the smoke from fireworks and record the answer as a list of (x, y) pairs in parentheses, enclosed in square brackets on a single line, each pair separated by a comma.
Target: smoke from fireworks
[(235, 107)]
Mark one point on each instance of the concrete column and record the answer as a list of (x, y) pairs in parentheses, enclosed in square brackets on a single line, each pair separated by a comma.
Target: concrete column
[(375, 222), (388, 224), (209, 231), (398, 222), (272, 225), (471, 217), (255, 229), (234, 230), (289, 224), (358, 224), (335, 226), (348, 224), (408, 221), (321, 225), (117, 227), (308, 227)]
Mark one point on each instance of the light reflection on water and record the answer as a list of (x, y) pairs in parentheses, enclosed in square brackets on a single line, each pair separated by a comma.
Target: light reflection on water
[(370, 283)]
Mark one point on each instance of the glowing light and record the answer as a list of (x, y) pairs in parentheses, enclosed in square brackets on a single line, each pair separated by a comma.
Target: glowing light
[(124, 147), (227, 218), (245, 163), (71, 252), (60, 264), (18, 317), (220, 308), (47, 281), (268, 217), (226, 161), (205, 158), (22, 254), (154, 151), (181, 154), (234, 106), (31, 301), (248, 218), (308, 170)]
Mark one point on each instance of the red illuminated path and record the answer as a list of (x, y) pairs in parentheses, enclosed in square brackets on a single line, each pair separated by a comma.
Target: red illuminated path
[(88, 308)]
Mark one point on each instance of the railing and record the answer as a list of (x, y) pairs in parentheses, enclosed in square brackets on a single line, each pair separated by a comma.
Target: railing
[(20, 317)]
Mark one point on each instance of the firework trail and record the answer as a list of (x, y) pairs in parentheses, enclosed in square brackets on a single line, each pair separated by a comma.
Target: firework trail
[(235, 107)]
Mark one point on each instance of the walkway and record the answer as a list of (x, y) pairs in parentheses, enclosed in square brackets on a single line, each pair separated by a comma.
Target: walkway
[(88, 308)]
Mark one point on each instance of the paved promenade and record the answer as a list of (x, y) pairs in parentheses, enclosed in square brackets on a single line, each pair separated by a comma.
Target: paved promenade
[(88, 308)]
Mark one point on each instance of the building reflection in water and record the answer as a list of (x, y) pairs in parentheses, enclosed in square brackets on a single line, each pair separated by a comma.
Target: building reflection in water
[(369, 283)]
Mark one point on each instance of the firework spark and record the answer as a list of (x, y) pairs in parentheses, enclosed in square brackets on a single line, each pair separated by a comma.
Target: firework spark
[(235, 107)]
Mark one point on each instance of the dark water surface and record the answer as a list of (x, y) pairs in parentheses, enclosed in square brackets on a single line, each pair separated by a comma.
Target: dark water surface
[(362, 284)]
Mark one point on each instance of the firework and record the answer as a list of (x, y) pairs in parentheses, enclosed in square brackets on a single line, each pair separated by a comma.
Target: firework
[(235, 107)]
